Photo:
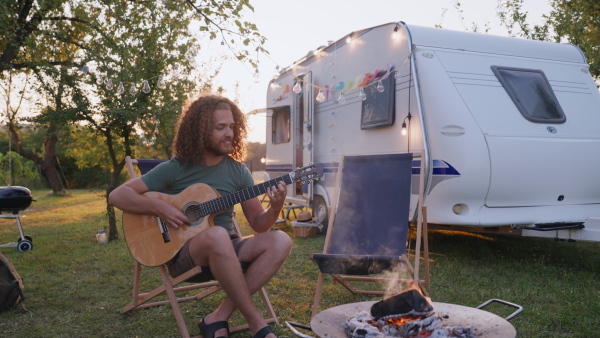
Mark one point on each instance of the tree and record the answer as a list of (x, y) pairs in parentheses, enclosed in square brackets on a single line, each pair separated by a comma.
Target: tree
[(127, 42), (573, 21)]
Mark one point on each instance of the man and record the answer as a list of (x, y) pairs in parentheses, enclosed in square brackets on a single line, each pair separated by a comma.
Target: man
[(207, 147)]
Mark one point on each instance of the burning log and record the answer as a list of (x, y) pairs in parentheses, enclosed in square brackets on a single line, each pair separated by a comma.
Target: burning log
[(404, 304)]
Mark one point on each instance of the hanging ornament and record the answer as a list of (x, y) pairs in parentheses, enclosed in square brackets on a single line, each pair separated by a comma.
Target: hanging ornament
[(109, 84), (146, 87), (256, 76), (161, 82), (320, 96), (362, 95), (85, 69), (99, 79), (132, 89), (397, 75), (380, 87), (341, 99), (297, 87), (120, 88)]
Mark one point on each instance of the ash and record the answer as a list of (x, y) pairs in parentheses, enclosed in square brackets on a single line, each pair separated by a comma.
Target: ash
[(363, 325)]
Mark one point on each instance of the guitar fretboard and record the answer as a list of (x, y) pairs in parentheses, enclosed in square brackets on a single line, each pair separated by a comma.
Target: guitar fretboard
[(224, 202)]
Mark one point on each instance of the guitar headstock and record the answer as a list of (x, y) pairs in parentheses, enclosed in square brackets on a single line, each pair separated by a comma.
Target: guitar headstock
[(307, 174)]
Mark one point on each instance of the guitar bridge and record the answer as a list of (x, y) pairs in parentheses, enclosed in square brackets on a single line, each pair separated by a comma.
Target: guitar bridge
[(164, 230)]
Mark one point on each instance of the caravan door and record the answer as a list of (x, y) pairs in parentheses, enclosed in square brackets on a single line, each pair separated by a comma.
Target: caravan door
[(307, 133), (302, 136)]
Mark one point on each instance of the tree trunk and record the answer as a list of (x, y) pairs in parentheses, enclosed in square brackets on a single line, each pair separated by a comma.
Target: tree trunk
[(48, 163), (110, 210)]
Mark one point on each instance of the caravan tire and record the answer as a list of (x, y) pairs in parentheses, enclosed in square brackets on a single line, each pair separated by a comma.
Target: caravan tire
[(319, 209)]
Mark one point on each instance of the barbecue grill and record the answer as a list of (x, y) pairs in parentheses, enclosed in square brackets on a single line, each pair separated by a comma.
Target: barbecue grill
[(331, 323), (14, 199)]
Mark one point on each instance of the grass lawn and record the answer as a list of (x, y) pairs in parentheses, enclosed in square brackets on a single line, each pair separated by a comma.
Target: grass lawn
[(75, 287)]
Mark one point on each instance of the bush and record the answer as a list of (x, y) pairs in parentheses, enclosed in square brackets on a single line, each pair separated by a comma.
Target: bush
[(17, 170)]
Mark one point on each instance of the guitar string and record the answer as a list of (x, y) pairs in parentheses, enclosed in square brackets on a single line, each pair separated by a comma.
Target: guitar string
[(223, 202)]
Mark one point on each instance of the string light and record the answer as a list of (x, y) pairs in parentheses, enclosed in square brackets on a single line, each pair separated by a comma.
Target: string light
[(297, 88), (256, 76), (175, 73), (146, 87), (349, 37), (362, 95), (397, 75), (380, 87), (341, 99), (161, 82), (321, 96)]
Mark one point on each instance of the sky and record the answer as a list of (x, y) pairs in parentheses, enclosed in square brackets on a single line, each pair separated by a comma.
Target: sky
[(293, 28)]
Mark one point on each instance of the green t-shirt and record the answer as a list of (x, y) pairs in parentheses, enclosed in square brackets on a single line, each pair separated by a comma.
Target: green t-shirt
[(227, 177)]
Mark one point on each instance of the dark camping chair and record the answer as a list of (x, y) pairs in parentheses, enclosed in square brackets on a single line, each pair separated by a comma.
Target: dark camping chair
[(169, 285), (369, 224)]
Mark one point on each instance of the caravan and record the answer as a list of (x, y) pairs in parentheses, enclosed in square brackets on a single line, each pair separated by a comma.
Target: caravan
[(507, 127)]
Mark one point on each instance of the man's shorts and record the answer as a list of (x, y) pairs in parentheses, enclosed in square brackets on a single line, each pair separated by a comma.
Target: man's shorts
[(182, 262)]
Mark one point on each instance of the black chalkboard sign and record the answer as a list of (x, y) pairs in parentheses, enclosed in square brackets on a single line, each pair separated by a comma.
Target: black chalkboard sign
[(379, 108)]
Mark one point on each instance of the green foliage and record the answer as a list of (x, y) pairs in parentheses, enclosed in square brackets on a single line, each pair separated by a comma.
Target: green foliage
[(17, 170), (572, 21), (578, 22)]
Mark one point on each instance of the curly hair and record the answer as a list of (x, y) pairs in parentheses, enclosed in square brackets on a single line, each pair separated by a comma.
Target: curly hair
[(195, 125)]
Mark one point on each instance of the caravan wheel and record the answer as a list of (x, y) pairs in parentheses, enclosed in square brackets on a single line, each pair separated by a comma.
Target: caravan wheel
[(319, 209)]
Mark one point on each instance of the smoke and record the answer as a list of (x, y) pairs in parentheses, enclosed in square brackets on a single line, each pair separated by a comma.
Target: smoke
[(401, 279)]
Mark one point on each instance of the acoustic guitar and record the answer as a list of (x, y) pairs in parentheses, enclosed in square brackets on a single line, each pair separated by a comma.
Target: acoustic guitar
[(152, 242)]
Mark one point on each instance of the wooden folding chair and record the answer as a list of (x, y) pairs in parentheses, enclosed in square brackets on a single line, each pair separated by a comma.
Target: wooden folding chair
[(368, 225), (169, 285)]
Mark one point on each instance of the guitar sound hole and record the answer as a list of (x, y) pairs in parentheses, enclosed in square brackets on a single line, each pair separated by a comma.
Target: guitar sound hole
[(192, 212)]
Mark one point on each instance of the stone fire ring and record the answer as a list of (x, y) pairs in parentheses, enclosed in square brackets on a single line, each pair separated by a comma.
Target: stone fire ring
[(330, 323)]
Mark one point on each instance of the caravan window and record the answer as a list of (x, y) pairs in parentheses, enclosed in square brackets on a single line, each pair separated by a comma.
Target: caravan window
[(281, 124), (531, 92), (379, 108)]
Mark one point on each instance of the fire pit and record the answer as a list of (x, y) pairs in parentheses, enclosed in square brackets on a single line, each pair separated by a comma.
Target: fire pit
[(332, 323)]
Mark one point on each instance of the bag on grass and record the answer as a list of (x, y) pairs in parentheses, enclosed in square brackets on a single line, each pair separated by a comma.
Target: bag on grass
[(11, 285)]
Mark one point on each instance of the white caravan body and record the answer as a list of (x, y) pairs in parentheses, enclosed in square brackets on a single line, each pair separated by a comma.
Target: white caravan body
[(508, 128)]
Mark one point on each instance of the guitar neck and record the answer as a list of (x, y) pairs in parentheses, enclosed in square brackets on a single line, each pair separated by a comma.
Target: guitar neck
[(224, 202)]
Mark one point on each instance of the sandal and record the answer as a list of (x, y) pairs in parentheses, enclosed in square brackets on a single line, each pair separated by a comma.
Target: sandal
[(208, 331), (262, 333)]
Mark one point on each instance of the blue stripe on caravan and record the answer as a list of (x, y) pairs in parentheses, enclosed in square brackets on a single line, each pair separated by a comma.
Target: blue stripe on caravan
[(440, 168)]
